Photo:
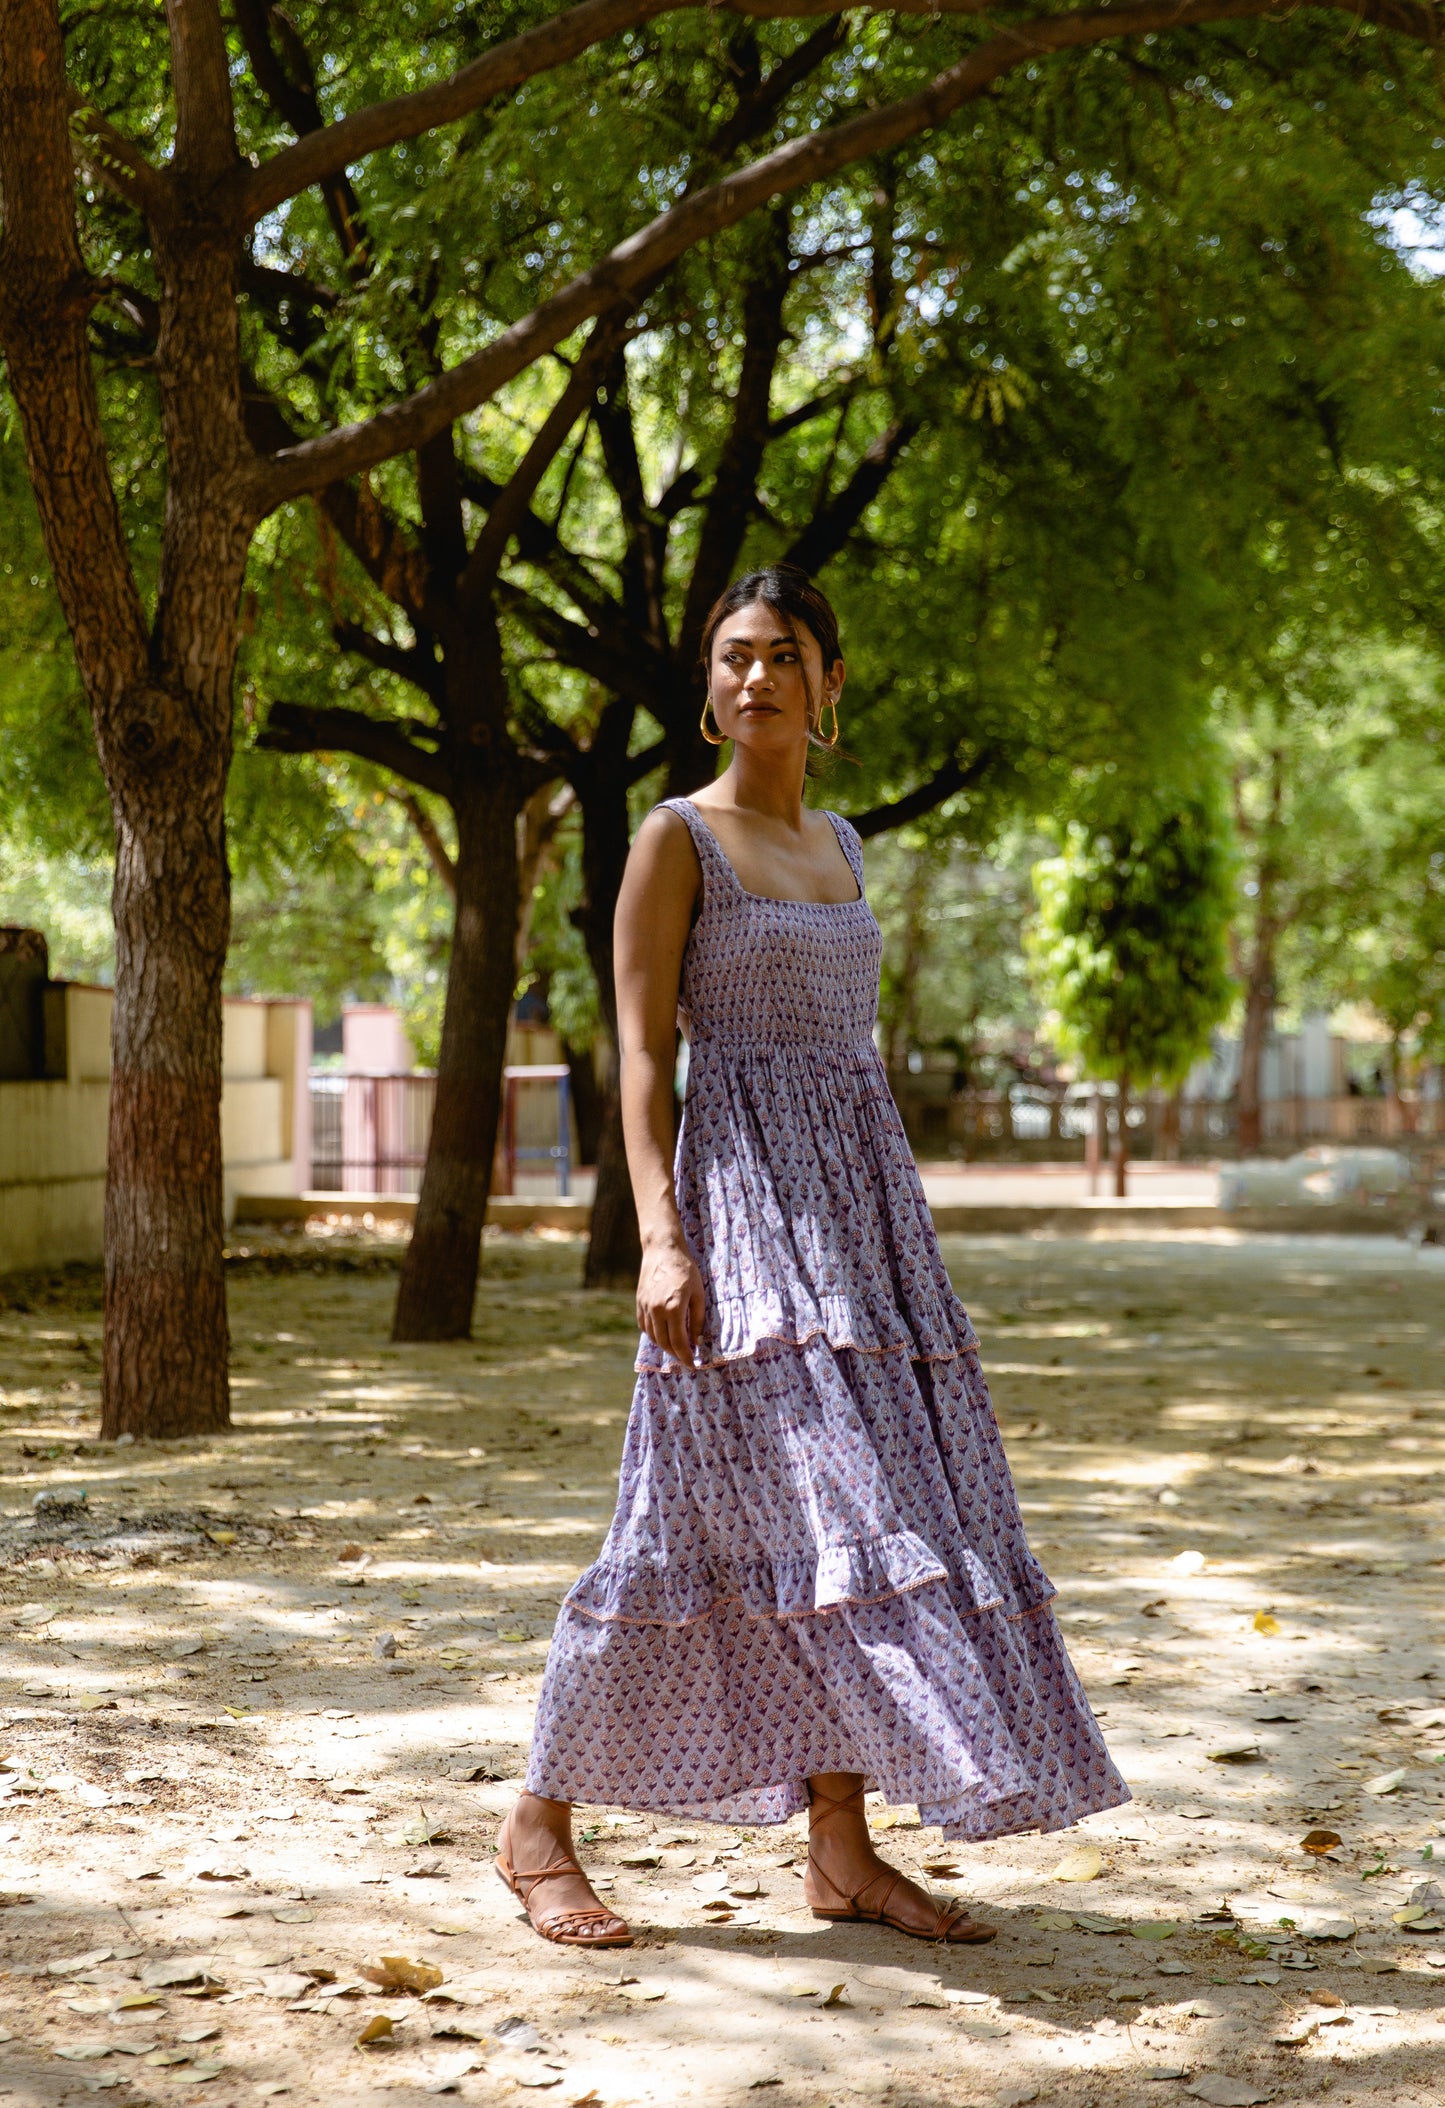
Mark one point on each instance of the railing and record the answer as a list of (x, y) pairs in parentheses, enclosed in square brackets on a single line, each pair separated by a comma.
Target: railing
[(369, 1134), (1031, 1123)]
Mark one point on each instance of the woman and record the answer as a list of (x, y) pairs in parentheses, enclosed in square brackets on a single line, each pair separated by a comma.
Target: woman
[(816, 1575)]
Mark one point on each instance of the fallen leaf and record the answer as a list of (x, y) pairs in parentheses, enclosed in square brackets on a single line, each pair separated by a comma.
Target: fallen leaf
[(1325, 1925), (70, 1965), (396, 1973), (378, 2029), (1265, 1621), (1092, 1924), (1084, 1863), (836, 1995), (1187, 1563), (1387, 1782), (519, 2034), (1243, 1749), (285, 1984), (198, 2034), (222, 1536), (79, 2052), (200, 2073), (160, 2057), (293, 1914), (1320, 1841), (1224, 2092), (641, 1859), (160, 1976), (1055, 1921)]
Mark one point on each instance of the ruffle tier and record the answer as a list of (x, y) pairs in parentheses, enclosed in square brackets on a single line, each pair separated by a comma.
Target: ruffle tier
[(803, 1207), (817, 1563), (978, 1721)]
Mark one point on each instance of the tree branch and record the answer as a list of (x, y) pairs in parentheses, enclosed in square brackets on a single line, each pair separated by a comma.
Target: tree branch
[(441, 857), (615, 279), (505, 67), (201, 78), (830, 527), (734, 489), (514, 502), (633, 672), (45, 297), (412, 664), (302, 728), (291, 92), (643, 764), (763, 101), (119, 164), (953, 776)]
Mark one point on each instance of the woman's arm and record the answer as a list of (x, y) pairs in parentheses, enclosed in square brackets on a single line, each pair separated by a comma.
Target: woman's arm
[(654, 915)]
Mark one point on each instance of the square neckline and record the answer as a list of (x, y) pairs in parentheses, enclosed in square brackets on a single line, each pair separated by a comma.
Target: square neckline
[(782, 900)]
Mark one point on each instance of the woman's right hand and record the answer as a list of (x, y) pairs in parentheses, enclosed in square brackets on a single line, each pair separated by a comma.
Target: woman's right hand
[(670, 1299)]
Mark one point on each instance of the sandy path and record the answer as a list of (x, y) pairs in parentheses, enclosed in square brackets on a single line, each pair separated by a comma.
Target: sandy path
[(1230, 1457)]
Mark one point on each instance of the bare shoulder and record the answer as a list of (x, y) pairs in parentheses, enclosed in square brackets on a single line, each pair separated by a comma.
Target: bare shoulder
[(663, 858)]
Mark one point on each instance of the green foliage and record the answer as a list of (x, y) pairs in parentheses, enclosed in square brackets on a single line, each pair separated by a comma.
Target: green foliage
[(1129, 945), (953, 971), (1348, 852)]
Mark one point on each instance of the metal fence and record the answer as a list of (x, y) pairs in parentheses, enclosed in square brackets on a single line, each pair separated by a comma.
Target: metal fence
[(1029, 1123), (369, 1134)]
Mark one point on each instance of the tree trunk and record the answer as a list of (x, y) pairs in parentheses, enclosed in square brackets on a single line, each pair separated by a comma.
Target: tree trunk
[(1121, 1142), (439, 1273), (1260, 978), (159, 694), (1258, 1016), (1094, 1140), (586, 1100), (614, 1248)]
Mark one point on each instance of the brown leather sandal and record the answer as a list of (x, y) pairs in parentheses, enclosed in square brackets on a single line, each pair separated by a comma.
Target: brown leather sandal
[(950, 1921), (558, 1927)]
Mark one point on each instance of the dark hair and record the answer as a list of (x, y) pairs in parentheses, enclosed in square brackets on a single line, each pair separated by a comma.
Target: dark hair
[(790, 592)]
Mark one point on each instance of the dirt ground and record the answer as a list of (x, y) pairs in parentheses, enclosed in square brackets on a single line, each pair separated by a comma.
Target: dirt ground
[(264, 1699)]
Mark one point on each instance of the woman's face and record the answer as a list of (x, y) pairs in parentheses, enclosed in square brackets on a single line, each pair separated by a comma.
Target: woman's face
[(761, 679)]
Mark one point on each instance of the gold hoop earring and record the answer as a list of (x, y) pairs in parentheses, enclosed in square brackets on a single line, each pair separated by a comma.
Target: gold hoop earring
[(714, 739), (830, 704)]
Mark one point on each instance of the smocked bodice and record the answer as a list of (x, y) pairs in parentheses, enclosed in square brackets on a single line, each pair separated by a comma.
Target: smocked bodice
[(795, 972)]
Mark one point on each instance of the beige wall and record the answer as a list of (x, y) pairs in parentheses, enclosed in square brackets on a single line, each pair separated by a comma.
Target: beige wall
[(53, 1134)]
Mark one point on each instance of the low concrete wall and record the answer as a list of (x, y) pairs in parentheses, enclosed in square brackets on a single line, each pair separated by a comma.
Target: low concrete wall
[(53, 1129)]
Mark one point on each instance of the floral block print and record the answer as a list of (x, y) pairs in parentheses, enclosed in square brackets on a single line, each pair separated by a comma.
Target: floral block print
[(817, 1561)]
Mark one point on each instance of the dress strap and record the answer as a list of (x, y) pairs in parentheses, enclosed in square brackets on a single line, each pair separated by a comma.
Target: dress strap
[(852, 847), (715, 865)]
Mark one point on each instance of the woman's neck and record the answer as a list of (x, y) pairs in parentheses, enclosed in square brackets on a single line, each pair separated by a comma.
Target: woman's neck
[(770, 785)]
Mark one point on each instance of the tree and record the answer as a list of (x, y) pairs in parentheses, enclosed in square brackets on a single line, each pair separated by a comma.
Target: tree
[(155, 624), (1129, 945), (1340, 775)]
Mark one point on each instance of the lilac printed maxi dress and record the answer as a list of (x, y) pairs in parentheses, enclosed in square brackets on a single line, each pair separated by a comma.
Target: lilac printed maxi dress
[(817, 1561)]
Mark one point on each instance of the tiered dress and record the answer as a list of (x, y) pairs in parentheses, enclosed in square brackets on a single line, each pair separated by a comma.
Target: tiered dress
[(817, 1562)]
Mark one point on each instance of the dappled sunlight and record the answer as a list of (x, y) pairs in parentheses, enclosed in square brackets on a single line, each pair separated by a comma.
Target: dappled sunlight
[(266, 1699)]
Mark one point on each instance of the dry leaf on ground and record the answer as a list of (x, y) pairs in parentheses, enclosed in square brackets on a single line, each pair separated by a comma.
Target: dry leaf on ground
[(396, 1973)]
